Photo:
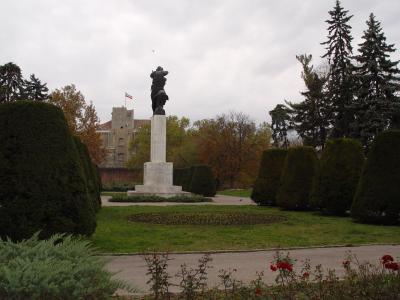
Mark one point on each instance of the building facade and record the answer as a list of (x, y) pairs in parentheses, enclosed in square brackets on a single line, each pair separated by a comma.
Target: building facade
[(117, 135)]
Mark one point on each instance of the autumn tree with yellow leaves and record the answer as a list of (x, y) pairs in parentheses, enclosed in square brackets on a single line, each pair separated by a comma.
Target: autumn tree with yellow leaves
[(82, 119)]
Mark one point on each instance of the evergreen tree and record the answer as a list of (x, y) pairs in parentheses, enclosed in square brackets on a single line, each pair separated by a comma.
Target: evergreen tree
[(281, 123), (310, 116), (11, 83), (377, 104), (35, 90), (340, 80)]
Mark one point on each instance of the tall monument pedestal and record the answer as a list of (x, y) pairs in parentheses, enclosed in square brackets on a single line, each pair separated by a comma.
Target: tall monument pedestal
[(158, 174)]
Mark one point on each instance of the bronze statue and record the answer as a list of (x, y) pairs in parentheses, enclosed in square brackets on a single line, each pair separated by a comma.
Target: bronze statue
[(158, 95)]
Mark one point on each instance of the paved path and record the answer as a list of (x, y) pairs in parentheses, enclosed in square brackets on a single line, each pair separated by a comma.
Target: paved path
[(133, 269), (217, 200)]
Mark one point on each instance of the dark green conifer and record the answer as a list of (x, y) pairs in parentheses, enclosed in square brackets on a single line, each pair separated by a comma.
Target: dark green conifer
[(340, 85), (202, 181), (339, 171), (378, 104), (268, 181), (377, 199), (310, 119), (11, 83), (35, 90), (280, 125), (297, 179), (42, 182)]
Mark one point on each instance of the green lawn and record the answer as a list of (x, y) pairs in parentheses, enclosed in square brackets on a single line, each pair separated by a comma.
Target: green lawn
[(236, 193), (115, 234)]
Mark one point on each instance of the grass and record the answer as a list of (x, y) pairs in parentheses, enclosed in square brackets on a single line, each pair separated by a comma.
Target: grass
[(236, 193), (115, 234)]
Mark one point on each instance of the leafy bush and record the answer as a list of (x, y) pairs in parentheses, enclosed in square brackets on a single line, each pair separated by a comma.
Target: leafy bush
[(90, 172), (377, 199), (42, 183), (183, 177), (118, 187), (268, 180), (59, 268), (203, 181), (154, 198), (214, 218), (338, 174), (298, 176)]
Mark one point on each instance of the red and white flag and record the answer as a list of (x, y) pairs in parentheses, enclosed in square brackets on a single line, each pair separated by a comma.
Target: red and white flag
[(128, 96)]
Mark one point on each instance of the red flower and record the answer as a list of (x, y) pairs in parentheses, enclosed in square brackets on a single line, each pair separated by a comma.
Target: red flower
[(258, 292), (386, 258), (284, 265), (392, 266), (306, 275), (273, 268), (346, 264)]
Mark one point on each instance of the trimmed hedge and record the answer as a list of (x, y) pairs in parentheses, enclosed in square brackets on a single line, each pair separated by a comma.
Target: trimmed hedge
[(338, 174), (118, 187), (91, 175), (183, 177), (197, 179), (203, 181), (267, 184), (377, 199), (42, 183), (297, 179)]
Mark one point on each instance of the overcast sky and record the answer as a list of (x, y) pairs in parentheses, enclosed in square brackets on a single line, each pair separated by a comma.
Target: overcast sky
[(222, 55)]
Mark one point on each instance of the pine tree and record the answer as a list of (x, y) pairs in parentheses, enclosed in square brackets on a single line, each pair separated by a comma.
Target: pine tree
[(35, 90), (11, 83), (377, 104), (340, 80), (310, 116), (281, 123)]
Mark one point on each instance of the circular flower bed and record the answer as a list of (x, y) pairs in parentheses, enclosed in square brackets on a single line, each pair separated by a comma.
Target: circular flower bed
[(206, 218)]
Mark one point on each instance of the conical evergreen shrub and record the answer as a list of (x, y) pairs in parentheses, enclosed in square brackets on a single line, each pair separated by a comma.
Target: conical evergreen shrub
[(297, 179), (90, 172), (42, 183), (203, 181), (338, 174), (267, 183), (183, 177), (377, 199)]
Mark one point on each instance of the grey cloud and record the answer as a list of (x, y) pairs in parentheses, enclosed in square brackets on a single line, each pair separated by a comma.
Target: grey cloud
[(222, 55)]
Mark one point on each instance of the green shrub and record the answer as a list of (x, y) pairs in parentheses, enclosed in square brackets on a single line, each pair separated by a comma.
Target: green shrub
[(338, 174), (268, 181), (98, 179), (377, 199), (42, 183), (183, 178), (297, 179), (154, 198), (178, 176), (59, 268), (203, 181), (90, 172), (118, 187)]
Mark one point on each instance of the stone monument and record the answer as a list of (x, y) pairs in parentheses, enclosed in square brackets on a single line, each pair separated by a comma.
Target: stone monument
[(157, 174)]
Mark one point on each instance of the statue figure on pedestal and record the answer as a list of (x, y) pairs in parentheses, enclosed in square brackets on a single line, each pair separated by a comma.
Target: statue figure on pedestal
[(158, 95)]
